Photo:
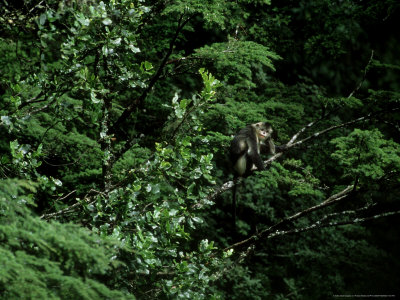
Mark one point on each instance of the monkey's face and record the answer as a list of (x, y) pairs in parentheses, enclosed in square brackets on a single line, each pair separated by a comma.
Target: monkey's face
[(264, 130)]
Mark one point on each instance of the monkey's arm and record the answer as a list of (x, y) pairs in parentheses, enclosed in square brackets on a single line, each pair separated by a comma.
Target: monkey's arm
[(268, 147), (281, 148), (255, 156)]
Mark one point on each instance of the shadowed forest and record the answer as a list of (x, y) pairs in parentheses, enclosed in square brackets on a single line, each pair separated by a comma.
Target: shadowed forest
[(116, 122)]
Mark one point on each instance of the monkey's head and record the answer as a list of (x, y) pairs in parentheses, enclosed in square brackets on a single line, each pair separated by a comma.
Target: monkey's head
[(264, 130)]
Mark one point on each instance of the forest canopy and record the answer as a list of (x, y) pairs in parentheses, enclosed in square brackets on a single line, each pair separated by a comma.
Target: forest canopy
[(116, 121)]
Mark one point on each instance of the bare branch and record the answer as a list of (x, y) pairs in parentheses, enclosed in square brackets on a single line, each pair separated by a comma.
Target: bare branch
[(269, 231), (61, 212), (360, 119), (317, 225), (295, 136), (223, 188), (315, 135), (66, 196), (364, 75), (73, 207), (344, 213)]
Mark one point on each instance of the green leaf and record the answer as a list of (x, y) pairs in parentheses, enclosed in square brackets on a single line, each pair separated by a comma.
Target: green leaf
[(107, 21), (42, 19)]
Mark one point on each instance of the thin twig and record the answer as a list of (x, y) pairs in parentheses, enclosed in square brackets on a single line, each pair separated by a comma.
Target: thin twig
[(364, 75)]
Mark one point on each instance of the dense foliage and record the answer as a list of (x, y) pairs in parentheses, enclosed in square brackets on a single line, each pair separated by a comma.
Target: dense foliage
[(116, 118)]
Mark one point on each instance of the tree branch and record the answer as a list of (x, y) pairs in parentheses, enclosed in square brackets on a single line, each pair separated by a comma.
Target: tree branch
[(73, 207), (364, 75), (270, 230), (309, 125), (317, 225), (315, 135)]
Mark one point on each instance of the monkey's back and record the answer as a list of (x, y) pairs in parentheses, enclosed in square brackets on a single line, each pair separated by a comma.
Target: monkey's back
[(239, 147)]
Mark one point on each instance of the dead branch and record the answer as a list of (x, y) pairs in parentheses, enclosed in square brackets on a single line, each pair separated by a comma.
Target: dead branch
[(273, 229), (87, 199), (318, 225)]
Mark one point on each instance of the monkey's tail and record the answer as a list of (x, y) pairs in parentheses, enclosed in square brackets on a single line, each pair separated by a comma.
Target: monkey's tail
[(234, 200)]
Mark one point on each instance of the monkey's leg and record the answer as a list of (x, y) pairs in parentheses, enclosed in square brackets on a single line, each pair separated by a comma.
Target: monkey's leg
[(257, 161), (254, 156)]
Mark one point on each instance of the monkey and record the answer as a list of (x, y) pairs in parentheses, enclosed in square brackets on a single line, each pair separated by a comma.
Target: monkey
[(247, 145), (245, 150)]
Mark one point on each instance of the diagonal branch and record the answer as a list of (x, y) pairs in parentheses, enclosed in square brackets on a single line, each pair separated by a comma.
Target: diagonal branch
[(317, 134), (272, 230), (318, 225), (87, 199), (364, 75), (294, 137)]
